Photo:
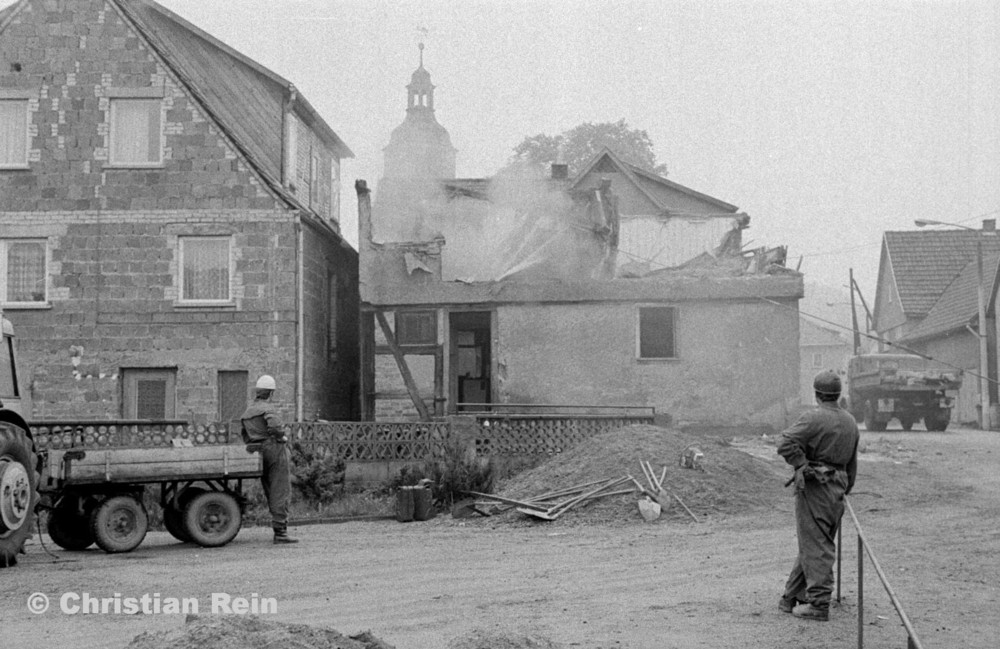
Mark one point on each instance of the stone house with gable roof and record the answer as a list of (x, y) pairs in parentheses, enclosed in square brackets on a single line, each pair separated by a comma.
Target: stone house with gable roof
[(169, 222), (926, 300)]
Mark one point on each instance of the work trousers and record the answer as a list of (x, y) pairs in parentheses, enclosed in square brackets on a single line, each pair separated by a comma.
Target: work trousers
[(277, 481), (818, 509)]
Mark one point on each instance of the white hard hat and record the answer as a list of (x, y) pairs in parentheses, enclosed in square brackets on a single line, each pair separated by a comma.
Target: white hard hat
[(266, 382)]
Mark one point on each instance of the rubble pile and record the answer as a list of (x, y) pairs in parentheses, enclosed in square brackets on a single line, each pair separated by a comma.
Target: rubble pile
[(250, 632), (718, 479)]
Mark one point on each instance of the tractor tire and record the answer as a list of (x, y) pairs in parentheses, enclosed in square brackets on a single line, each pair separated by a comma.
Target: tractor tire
[(213, 518), (69, 524), (119, 524), (18, 491), (173, 513), (872, 423)]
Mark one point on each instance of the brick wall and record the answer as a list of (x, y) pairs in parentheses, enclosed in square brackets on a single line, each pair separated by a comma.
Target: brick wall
[(113, 234), (113, 305), (73, 57)]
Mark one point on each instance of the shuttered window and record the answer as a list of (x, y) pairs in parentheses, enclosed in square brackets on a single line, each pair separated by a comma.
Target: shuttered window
[(13, 133), (149, 393), (232, 394)]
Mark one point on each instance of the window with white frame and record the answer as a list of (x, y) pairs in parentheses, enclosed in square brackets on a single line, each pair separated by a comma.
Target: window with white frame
[(135, 132), (149, 393), (13, 133), (817, 360), (656, 332), (23, 276), (205, 269)]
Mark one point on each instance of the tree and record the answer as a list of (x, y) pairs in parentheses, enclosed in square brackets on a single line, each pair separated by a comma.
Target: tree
[(581, 143)]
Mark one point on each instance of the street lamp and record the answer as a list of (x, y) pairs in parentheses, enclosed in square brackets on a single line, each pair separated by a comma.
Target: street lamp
[(984, 385)]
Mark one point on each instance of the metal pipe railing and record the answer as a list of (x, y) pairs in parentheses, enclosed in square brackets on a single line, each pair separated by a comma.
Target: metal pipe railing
[(913, 642)]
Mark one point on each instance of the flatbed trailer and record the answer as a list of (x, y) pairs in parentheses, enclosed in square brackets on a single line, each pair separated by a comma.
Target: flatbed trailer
[(95, 495)]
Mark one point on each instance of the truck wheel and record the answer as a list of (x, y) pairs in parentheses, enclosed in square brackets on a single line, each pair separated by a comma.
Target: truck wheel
[(119, 524), (173, 513), (69, 524), (906, 423), (213, 518), (872, 423), (18, 491)]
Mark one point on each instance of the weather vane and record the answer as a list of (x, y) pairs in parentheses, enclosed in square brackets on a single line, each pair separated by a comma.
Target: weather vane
[(422, 33)]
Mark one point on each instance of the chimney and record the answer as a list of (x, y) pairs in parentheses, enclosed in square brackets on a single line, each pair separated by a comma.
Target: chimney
[(560, 171), (989, 225)]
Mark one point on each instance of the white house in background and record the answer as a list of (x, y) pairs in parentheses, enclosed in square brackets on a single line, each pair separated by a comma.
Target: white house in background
[(820, 348), (663, 224)]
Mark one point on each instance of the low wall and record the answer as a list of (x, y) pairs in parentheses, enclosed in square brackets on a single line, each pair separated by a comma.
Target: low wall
[(373, 452)]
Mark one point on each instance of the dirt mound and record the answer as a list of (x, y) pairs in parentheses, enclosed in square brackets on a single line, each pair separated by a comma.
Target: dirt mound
[(730, 481), (249, 632), (481, 639)]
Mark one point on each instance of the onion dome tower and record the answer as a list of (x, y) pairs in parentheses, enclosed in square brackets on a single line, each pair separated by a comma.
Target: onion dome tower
[(419, 147)]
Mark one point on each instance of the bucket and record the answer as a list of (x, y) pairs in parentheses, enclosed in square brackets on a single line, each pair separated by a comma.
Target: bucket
[(423, 504)]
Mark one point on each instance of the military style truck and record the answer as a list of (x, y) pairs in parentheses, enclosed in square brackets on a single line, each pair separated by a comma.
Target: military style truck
[(19, 468), (907, 387), (90, 478)]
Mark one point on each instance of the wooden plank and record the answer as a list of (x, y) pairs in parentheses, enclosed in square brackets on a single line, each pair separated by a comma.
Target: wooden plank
[(404, 369)]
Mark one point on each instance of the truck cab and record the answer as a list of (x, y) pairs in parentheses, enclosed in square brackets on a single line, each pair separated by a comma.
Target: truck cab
[(10, 393)]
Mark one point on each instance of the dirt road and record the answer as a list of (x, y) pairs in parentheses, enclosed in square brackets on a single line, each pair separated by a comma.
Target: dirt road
[(929, 504)]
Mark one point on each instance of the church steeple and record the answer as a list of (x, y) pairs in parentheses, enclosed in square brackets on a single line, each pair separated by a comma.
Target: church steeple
[(419, 147), (420, 90)]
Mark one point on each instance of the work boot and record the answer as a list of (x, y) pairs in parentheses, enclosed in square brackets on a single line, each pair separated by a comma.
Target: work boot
[(281, 536), (807, 611), (786, 605)]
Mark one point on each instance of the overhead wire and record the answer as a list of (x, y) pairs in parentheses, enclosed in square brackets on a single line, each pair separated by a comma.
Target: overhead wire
[(883, 341)]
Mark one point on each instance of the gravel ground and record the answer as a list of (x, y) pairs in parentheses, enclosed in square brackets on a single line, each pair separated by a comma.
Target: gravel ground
[(928, 503)]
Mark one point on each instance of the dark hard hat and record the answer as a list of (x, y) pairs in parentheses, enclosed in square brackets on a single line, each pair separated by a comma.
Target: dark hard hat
[(827, 382)]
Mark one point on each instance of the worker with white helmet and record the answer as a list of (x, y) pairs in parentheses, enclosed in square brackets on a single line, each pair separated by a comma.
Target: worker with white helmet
[(263, 429)]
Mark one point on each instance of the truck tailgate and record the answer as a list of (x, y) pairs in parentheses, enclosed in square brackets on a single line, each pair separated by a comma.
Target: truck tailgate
[(137, 465)]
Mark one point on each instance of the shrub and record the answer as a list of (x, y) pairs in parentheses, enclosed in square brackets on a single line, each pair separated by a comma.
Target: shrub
[(319, 476)]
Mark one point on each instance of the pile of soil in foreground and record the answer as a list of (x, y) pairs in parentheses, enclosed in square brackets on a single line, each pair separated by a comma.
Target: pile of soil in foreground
[(250, 632), (732, 482)]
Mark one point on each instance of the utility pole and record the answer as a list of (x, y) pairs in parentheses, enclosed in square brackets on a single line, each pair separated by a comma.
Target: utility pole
[(854, 317)]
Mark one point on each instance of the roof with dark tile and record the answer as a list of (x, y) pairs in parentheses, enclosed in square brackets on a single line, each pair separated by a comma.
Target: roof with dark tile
[(958, 305), (925, 263)]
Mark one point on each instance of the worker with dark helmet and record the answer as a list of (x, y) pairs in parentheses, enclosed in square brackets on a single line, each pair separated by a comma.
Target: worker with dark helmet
[(822, 446), (263, 430)]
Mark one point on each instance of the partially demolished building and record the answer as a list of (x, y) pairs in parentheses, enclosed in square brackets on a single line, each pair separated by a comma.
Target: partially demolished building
[(613, 287)]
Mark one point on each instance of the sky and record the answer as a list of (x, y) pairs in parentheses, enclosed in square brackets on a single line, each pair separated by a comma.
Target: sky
[(827, 122)]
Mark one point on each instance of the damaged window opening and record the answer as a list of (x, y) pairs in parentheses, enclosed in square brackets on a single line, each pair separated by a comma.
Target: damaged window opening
[(656, 332), (416, 327)]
